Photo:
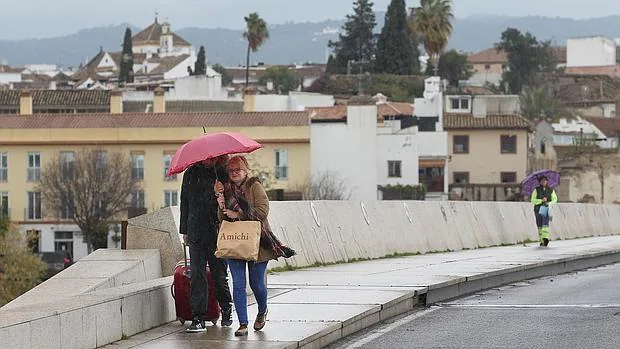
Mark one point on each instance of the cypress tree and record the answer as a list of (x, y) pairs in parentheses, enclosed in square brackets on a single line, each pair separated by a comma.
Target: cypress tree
[(126, 71), (200, 67), (397, 51)]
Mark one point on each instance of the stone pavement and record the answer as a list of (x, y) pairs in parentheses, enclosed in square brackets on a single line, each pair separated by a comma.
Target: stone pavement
[(311, 308)]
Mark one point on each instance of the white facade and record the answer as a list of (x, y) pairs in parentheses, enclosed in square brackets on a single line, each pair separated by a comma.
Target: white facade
[(8, 78), (198, 88), (180, 71), (50, 242), (294, 101), (594, 51), (348, 149), (567, 132), (397, 154)]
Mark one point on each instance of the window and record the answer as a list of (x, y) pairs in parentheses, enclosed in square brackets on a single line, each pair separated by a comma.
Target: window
[(508, 144), (67, 163), (4, 167), (101, 164), (4, 204), (394, 169), (63, 241), (543, 145), (137, 166), (460, 103), (461, 145), (67, 207), (34, 205), (167, 164), (137, 199), (34, 167), (171, 198), (487, 67), (281, 170), (461, 177), (508, 177)]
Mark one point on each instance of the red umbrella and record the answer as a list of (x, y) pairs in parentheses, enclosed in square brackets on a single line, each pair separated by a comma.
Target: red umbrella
[(210, 146)]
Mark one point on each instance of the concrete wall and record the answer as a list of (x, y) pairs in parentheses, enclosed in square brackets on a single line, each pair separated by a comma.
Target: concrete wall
[(355, 157), (590, 52)]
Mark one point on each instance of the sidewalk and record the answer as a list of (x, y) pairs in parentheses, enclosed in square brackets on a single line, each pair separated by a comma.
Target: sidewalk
[(314, 307)]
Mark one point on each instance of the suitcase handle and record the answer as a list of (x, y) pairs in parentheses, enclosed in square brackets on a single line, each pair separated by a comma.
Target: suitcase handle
[(172, 292)]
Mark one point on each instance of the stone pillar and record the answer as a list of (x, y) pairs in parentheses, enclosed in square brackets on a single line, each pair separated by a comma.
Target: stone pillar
[(116, 102), (249, 99), (159, 101), (25, 102)]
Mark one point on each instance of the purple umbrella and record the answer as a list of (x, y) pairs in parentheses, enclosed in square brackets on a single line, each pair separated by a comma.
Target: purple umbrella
[(532, 181)]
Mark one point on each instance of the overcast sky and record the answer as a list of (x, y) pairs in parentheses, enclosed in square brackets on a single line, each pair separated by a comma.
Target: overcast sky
[(44, 18)]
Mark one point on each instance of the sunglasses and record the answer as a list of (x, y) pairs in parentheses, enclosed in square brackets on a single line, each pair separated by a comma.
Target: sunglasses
[(235, 170)]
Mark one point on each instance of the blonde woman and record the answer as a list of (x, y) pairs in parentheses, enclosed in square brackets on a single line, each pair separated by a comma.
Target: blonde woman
[(245, 199)]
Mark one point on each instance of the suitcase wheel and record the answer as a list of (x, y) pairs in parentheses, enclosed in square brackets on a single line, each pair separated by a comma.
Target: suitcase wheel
[(214, 322), (182, 321)]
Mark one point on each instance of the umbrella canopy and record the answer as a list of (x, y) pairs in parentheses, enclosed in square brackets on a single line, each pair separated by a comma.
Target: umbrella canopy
[(210, 146), (532, 181)]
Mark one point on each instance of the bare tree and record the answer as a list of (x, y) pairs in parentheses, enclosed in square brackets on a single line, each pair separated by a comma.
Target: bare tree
[(326, 185), (91, 187)]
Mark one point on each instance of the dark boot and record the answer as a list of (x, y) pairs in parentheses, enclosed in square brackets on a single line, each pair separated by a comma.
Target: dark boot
[(226, 317), (545, 242)]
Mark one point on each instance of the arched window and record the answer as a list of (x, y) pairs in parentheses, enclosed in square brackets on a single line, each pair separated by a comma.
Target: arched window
[(543, 145)]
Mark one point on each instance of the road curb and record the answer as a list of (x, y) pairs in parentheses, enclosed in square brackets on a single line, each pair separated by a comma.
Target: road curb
[(532, 271)]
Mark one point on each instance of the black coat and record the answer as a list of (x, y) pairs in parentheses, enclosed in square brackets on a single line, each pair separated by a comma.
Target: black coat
[(199, 205)]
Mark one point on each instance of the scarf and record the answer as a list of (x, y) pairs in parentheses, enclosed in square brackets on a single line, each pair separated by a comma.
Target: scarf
[(236, 201)]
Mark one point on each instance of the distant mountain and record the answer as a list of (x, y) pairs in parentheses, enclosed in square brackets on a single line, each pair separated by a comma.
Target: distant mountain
[(295, 42)]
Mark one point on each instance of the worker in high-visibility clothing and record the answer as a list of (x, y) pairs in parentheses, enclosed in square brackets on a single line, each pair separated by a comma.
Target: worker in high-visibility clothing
[(542, 197)]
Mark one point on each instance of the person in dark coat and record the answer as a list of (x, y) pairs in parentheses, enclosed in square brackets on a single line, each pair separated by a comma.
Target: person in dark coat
[(199, 226)]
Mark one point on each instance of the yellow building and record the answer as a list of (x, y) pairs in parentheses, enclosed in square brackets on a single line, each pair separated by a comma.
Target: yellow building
[(491, 149), (28, 141)]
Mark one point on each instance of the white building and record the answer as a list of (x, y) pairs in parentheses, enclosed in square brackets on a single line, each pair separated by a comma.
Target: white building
[(9, 76), (159, 39), (432, 140), (596, 51)]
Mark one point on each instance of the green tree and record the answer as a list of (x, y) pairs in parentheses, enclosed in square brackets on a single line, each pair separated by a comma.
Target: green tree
[(526, 58), (358, 42), (433, 22), (539, 101), (453, 66), (20, 270), (256, 33), (91, 187), (126, 72), (284, 80), (226, 78), (200, 67), (397, 53)]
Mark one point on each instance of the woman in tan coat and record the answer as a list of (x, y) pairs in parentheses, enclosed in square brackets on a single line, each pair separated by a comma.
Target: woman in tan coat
[(245, 199)]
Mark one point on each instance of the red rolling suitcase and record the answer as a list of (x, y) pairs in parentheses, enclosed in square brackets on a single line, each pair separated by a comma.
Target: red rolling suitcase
[(180, 292)]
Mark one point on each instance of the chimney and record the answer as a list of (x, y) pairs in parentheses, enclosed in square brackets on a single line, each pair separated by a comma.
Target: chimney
[(249, 99), (159, 101), (116, 102), (25, 102)]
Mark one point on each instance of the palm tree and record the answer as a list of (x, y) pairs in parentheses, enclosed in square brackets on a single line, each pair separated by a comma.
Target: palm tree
[(256, 33), (433, 21)]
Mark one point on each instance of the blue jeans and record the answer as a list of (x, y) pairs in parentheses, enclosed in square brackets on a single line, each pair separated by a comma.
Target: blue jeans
[(257, 284)]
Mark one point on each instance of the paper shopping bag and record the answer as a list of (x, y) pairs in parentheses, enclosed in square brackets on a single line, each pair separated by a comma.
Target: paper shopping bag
[(239, 240)]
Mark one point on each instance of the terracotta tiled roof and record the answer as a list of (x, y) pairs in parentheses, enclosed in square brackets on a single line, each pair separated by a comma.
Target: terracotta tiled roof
[(166, 64), (339, 112), (609, 126), (151, 120), (186, 106), (7, 69), (490, 122), (488, 56), (152, 33), (58, 98), (492, 56)]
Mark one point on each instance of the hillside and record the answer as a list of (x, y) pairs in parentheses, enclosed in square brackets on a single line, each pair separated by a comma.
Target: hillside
[(295, 42)]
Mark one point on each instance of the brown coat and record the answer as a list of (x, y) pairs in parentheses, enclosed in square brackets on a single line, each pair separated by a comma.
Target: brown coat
[(256, 196)]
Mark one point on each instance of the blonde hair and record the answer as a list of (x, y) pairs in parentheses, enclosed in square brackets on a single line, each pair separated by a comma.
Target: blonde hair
[(242, 160)]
